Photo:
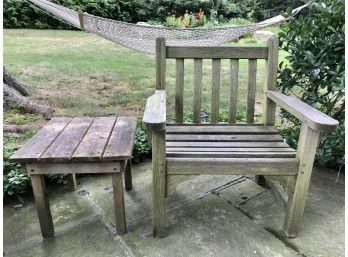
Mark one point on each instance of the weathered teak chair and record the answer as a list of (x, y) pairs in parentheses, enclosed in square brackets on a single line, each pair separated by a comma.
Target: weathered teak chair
[(181, 150)]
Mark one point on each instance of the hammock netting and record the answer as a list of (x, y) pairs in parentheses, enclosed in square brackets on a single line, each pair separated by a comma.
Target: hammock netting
[(142, 37)]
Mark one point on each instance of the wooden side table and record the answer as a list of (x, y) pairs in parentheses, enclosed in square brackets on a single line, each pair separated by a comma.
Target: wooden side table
[(79, 145)]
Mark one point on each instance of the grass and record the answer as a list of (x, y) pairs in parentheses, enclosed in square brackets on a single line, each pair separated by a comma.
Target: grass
[(18, 117), (78, 73)]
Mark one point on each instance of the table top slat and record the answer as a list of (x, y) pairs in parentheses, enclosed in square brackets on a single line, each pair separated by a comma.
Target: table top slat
[(94, 142), (36, 146), (120, 145), (67, 142)]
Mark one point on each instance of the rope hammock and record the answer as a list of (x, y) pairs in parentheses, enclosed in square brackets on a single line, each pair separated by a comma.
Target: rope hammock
[(142, 37)]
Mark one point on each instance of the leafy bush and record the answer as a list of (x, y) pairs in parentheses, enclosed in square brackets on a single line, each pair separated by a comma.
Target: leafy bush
[(314, 71), (14, 182), (142, 149)]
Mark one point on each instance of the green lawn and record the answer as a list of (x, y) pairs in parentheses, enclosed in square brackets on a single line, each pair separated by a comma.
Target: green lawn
[(78, 73)]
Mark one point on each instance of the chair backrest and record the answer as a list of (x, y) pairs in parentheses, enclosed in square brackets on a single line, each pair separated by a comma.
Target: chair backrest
[(234, 54)]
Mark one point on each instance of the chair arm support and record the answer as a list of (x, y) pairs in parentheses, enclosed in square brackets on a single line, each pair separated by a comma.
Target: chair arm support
[(305, 113), (155, 111)]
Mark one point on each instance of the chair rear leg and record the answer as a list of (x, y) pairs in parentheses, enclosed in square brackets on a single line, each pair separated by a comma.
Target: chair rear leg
[(159, 170), (295, 207), (261, 180)]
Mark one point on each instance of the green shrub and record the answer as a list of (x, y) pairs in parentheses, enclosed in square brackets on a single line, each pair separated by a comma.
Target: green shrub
[(314, 71), (14, 182), (142, 149)]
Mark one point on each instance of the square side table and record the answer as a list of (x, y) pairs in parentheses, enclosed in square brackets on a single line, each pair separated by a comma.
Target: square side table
[(79, 145)]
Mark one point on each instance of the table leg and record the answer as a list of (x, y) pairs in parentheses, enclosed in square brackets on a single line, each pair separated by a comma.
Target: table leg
[(119, 203), (72, 183), (42, 205), (128, 175)]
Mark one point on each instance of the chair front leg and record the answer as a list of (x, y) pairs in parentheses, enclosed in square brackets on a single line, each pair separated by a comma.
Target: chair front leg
[(159, 171), (307, 146)]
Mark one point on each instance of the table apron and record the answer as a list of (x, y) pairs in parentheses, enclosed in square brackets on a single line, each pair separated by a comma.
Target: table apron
[(73, 167)]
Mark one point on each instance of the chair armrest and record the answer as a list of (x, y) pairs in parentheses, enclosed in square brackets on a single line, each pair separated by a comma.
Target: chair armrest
[(155, 111), (304, 112)]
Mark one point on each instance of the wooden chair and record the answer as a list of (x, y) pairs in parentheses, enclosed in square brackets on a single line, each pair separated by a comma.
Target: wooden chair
[(181, 150)]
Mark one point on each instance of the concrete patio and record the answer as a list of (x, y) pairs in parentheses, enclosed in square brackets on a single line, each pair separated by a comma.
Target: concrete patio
[(207, 216)]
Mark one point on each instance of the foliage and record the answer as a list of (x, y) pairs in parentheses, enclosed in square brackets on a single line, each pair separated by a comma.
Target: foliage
[(14, 182), (21, 14), (18, 117), (315, 72), (142, 150), (188, 20)]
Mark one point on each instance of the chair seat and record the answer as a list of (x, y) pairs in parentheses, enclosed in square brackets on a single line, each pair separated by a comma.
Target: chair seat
[(218, 141), (234, 150)]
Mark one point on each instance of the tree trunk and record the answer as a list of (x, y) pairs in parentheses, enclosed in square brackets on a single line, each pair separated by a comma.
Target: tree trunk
[(13, 99), (14, 95), (9, 80)]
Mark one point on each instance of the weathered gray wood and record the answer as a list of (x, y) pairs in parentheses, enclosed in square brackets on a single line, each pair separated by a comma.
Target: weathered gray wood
[(225, 144), (232, 166), (224, 138), (251, 90), (82, 24), (155, 111), (234, 70), (36, 146), (42, 205), (213, 154), (279, 192), (220, 149), (72, 167), (307, 114), (197, 90), (160, 63), (215, 99), (72, 183), (296, 204), (269, 107), (158, 181), (287, 182), (120, 216), (92, 146), (172, 181), (66, 143), (220, 52), (121, 142), (179, 91), (217, 129), (128, 175)]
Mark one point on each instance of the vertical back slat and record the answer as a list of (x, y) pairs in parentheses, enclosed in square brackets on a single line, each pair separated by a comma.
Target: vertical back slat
[(197, 90), (216, 65), (271, 81), (179, 91), (234, 69), (160, 63), (251, 90)]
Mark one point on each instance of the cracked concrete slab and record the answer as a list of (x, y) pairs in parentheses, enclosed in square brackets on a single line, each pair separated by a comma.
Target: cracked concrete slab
[(86, 240), (207, 227), (207, 216), (138, 202), (22, 225), (322, 233)]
